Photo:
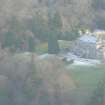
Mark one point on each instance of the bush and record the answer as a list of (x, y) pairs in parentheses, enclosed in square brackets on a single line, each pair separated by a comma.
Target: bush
[(70, 35)]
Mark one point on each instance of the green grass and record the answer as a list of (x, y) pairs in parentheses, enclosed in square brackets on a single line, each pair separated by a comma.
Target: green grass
[(87, 79), (87, 76), (64, 44), (42, 48)]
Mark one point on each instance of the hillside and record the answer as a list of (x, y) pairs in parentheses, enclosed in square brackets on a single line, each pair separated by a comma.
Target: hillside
[(85, 13), (39, 62)]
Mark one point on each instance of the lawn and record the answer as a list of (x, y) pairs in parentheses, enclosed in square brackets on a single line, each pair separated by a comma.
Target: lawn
[(64, 44), (42, 48), (87, 76), (87, 80)]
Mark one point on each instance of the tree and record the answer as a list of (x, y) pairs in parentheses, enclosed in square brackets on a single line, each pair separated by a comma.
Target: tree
[(98, 4), (53, 46), (100, 22), (55, 24), (31, 44), (8, 39), (38, 26)]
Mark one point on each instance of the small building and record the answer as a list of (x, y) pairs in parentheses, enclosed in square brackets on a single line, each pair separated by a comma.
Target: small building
[(86, 47)]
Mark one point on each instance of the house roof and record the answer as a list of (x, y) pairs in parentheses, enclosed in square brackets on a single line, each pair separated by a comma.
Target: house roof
[(88, 39)]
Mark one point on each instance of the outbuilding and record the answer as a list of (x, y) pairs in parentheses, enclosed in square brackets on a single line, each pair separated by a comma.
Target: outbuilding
[(86, 47)]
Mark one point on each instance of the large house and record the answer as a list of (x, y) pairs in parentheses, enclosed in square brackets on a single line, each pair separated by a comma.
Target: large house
[(86, 47)]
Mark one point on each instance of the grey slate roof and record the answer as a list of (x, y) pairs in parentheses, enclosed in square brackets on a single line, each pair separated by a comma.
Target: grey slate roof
[(88, 39)]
